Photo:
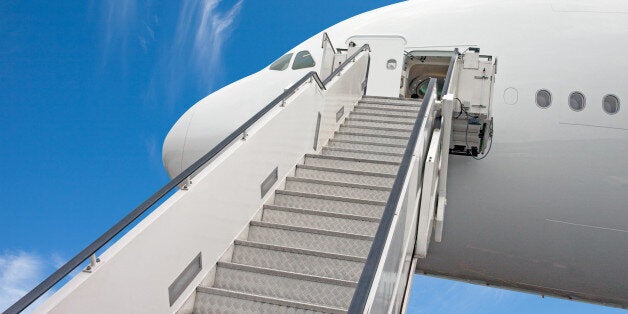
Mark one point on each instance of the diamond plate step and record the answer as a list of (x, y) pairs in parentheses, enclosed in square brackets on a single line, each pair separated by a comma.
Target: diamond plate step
[(383, 117), (352, 163), (212, 300), (315, 263), (381, 139), (389, 100), (396, 149), (320, 220), (354, 153), (374, 131), (398, 110), (389, 106), (284, 285), (310, 239), (331, 204), (321, 187), (347, 176), (378, 124)]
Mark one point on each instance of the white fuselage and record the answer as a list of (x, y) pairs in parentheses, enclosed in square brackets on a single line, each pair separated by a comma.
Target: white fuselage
[(547, 210)]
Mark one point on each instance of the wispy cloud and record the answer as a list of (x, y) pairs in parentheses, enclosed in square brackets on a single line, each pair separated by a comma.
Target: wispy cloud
[(201, 31), (19, 273)]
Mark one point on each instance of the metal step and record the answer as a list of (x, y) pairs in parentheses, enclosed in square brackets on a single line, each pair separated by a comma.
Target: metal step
[(284, 285), (378, 124), (321, 187), (391, 100), (310, 239), (388, 106), (320, 220), (346, 176), (212, 300), (308, 251), (382, 139), (354, 153), (331, 204), (307, 262), (374, 131), (395, 149), (398, 110), (352, 163), (393, 118)]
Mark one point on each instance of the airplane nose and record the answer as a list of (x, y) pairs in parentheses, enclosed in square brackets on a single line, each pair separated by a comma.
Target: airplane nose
[(172, 152)]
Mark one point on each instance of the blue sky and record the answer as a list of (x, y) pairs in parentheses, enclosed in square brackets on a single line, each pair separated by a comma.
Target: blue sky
[(88, 91)]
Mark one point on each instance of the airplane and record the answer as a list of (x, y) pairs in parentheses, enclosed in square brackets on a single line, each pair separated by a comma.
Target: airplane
[(487, 138)]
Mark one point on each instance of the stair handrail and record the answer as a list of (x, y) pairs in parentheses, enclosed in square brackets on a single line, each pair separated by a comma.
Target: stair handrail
[(327, 39), (450, 71), (374, 258), (101, 241)]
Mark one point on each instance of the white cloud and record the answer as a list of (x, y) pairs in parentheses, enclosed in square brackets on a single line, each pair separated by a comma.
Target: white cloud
[(19, 272), (200, 33)]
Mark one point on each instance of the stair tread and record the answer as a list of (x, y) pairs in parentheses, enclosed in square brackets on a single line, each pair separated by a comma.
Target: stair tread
[(265, 301), (300, 251), (357, 172), (311, 230), (287, 274), (353, 159), (351, 185)]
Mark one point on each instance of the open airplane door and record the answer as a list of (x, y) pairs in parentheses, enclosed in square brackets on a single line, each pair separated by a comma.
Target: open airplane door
[(386, 65)]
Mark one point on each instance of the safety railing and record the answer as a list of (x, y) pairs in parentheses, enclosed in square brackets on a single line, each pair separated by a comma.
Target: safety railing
[(450, 72), (383, 272), (90, 251), (328, 41)]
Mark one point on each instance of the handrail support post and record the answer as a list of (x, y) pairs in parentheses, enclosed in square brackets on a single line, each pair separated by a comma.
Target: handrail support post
[(93, 263)]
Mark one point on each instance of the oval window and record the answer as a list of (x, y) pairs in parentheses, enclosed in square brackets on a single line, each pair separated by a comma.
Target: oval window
[(543, 98), (281, 63), (610, 104), (302, 60), (577, 101)]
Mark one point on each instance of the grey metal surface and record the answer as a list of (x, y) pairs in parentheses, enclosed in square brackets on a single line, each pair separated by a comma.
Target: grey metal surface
[(380, 124), (371, 138), (337, 189), (306, 262), (354, 153), (290, 286), (348, 176), (328, 204), (383, 116), (305, 239), (387, 106), (373, 131), (365, 146), (318, 220), (184, 279), (390, 100), (352, 163), (366, 108), (268, 182), (220, 301)]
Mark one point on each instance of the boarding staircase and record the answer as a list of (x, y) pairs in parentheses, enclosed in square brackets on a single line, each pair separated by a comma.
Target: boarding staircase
[(357, 191), (307, 251)]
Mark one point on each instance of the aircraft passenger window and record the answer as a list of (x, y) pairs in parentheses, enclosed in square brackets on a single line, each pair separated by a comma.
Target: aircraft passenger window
[(281, 63), (543, 98), (577, 101), (302, 60), (610, 104)]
